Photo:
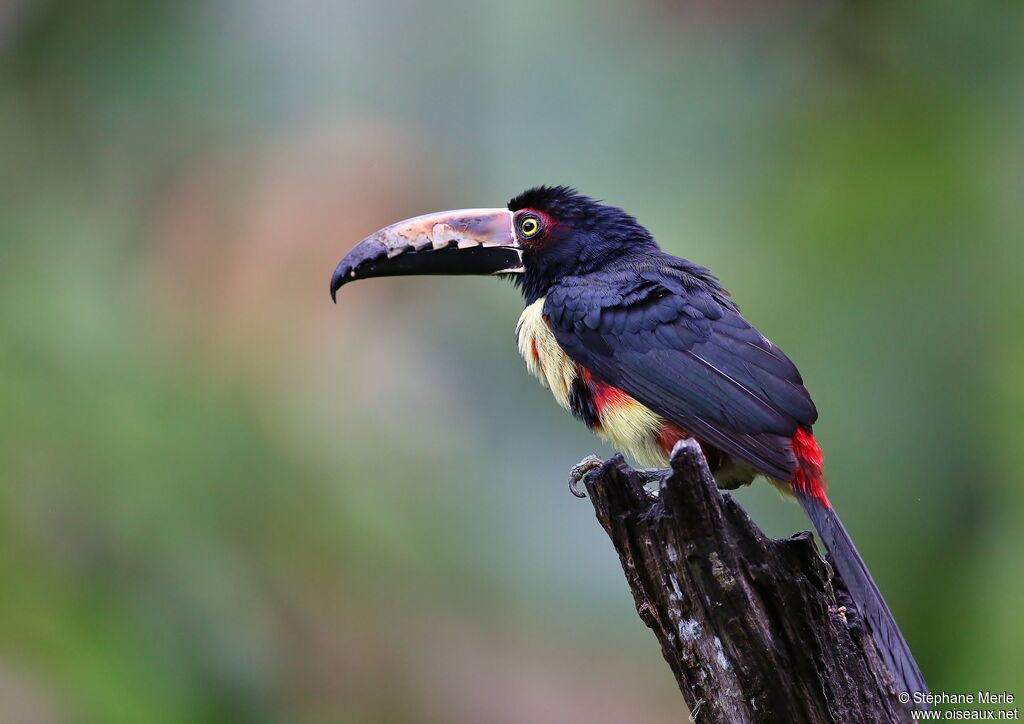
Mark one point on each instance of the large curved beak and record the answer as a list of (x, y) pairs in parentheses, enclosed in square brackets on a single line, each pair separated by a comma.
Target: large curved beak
[(469, 241)]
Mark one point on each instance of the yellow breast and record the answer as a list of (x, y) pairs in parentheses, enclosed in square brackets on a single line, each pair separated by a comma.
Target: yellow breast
[(544, 358), (629, 426), (623, 422)]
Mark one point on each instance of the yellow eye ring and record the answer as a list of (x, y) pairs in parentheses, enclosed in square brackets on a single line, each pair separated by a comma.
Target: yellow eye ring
[(529, 226)]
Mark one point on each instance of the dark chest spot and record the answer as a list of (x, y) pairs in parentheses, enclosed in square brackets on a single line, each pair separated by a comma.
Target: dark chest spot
[(581, 403)]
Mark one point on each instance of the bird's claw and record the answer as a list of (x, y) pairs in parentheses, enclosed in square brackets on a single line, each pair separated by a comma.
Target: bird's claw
[(653, 479), (580, 471)]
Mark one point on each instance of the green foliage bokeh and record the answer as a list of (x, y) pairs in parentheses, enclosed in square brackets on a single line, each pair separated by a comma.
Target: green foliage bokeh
[(214, 503)]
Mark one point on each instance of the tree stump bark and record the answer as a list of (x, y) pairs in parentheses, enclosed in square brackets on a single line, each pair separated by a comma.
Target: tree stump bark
[(755, 629)]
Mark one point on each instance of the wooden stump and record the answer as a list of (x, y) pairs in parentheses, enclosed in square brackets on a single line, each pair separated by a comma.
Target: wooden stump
[(754, 629)]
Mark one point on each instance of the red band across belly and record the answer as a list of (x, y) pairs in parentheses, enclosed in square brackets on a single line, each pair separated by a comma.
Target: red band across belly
[(604, 394), (669, 435)]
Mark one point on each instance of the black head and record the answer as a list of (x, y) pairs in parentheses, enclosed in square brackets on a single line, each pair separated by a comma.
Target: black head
[(564, 233)]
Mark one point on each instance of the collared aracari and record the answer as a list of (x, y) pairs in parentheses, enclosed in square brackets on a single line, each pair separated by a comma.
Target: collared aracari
[(646, 349)]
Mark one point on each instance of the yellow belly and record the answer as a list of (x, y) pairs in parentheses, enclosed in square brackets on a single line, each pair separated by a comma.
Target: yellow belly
[(544, 358), (626, 424)]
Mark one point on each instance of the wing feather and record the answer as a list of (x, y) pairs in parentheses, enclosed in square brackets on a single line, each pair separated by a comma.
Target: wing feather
[(672, 339)]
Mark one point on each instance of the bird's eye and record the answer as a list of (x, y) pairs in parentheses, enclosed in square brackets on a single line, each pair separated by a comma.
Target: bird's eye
[(529, 226)]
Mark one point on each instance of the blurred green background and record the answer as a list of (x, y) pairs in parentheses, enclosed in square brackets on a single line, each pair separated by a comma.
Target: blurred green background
[(225, 499)]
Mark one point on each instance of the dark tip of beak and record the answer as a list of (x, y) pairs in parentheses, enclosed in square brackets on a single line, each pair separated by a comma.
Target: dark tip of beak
[(367, 251), (337, 279)]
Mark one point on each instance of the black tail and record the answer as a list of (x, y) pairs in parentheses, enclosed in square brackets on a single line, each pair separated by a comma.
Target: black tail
[(888, 638)]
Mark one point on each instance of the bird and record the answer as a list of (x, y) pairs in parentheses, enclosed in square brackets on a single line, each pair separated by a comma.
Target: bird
[(646, 349)]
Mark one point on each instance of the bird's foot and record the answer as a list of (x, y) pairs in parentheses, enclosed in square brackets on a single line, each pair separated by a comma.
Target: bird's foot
[(580, 471), (651, 479)]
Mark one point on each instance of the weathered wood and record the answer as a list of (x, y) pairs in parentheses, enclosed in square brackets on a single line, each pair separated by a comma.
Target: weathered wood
[(754, 629)]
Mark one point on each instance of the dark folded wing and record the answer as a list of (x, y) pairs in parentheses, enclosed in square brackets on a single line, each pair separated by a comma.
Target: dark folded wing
[(678, 345)]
